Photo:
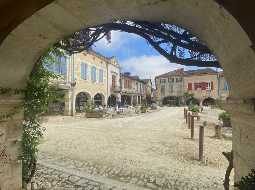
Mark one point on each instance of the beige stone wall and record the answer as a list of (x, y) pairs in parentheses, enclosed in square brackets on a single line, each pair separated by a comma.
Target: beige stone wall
[(10, 136), (243, 121), (172, 88), (202, 94), (88, 85)]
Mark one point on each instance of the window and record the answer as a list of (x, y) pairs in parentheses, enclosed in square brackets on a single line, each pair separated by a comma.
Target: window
[(171, 88), (162, 81), (93, 74), (84, 68), (203, 86), (226, 86), (101, 75), (113, 81), (59, 66), (162, 90), (178, 79), (189, 86)]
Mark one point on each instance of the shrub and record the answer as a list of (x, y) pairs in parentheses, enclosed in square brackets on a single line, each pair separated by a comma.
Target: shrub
[(90, 107), (224, 116), (247, 182)]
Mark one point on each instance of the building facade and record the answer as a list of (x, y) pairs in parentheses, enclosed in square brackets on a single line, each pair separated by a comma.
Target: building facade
[(148, 90), (90, 77), (204, 84), (169, 86), (133, 89), (86, 77)]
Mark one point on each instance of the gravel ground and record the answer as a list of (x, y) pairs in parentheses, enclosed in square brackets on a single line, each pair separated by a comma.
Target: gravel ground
[(151, 150)]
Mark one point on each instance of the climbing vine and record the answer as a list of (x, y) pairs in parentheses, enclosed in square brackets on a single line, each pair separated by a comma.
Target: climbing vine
[(37, 96)]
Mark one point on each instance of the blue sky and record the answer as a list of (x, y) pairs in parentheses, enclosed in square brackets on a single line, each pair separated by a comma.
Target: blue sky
[(135, 55)]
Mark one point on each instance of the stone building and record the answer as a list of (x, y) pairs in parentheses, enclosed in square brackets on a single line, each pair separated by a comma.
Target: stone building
[(86, 77), (133, 90), (113, 82), (169, 86), (148, 90), (205, 84)]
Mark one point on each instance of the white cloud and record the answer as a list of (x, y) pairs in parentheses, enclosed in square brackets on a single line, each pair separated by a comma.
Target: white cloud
[(148, 66), (118, 40)]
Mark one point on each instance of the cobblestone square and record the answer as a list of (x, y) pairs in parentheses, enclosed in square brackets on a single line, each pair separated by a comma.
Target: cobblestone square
[(147, 151)]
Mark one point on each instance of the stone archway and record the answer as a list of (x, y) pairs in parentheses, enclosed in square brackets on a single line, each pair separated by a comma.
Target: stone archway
[(217, 28), (208, 101), (112, 100), (99, 99), (81, 100)]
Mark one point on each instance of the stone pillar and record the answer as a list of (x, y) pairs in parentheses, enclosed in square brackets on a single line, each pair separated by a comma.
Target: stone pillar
[(10, 136), (243, 122), (132, 100), (68, 103)]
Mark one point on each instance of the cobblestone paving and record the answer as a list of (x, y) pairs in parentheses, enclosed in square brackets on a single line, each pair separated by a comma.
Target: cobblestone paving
[(71, 174), (151, 151), (51, 178)]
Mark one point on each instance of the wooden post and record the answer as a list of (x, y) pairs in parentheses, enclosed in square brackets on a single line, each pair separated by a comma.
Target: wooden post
[(218, 132), (188, 120), (201, 141), (186, 116), (192, 126), (185, 113)]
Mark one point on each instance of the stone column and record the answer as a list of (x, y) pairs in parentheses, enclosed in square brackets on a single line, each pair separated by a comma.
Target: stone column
[(243, 122), (68, 103), (10, 136), (132, 103)]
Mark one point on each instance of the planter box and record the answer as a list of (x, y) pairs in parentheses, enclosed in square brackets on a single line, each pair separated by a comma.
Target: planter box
[(94, 114)]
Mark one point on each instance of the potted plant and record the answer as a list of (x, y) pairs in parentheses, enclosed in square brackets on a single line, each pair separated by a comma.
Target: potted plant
[(144, 108), (225, 118), (91, 111)]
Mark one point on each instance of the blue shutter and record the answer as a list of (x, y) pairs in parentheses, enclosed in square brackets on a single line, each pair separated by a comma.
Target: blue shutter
[(101, 75), (82, 71), (93, 74), (63, 65), (85, 71)]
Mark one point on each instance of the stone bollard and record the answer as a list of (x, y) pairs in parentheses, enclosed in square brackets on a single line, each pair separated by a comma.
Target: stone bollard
[(218, 133), (192, 127), (186, 116), (201, 141)]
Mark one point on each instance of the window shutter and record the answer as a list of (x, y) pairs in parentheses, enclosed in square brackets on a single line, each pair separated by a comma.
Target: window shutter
[(189, 86), (212, 85)]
